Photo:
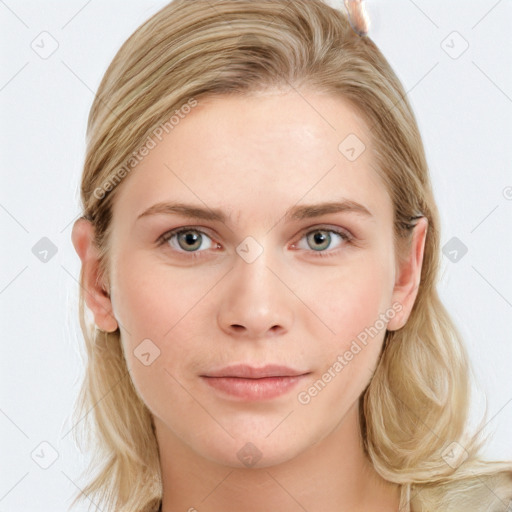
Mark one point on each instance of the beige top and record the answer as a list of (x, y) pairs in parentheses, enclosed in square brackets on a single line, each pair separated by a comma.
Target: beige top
[(405, 499)]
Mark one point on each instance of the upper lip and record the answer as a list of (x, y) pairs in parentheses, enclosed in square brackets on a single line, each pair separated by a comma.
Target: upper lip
[(250, 372)]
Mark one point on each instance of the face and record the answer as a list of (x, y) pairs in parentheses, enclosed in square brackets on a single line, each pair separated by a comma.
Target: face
[(268, 280)]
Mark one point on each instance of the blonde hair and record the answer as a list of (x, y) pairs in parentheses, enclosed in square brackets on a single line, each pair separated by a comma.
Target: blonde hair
[(415, 409)]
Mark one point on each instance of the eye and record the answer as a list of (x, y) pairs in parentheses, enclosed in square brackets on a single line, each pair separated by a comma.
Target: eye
[(195, 241), (187, 240), (321, 238)]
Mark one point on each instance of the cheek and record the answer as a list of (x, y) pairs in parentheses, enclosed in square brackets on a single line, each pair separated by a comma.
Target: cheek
[(152, 298), (155, 342), (158, 308), (353, 303), (349, 298)]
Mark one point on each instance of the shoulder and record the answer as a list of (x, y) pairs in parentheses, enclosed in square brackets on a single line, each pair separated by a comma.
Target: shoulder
[(481, 487)]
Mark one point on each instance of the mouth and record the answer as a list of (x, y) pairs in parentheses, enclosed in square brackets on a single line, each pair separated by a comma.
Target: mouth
[(248, 383)]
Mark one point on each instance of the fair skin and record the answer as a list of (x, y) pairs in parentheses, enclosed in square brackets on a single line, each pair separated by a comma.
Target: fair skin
[(253, 158)]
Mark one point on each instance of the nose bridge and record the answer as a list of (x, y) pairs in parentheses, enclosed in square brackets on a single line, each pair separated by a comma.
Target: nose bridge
[(255, 300), (252, 270)]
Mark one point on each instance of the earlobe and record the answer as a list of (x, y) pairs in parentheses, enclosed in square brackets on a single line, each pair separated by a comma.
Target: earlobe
[(408, 276), (95, 291)]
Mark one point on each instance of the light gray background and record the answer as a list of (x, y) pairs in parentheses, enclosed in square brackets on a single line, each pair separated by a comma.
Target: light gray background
[(464, 108)]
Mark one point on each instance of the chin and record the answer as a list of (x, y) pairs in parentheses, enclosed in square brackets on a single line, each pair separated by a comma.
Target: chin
[(252, 451)]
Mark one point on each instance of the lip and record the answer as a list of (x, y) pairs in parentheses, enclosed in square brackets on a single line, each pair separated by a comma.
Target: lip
[(249, 383), (247, 371)]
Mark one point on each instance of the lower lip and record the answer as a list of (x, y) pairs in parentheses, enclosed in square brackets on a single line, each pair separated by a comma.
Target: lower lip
[(254, 389)]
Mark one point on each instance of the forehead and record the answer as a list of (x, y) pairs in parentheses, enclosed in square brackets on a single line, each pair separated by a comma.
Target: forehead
[(255, 156)]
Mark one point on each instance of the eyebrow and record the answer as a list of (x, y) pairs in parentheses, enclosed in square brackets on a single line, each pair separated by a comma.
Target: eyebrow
[(294, 213)]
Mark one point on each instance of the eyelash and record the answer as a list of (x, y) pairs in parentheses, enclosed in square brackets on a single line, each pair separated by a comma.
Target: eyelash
[(346, 237)]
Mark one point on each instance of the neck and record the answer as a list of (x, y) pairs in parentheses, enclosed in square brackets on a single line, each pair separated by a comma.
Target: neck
[(332, 475)]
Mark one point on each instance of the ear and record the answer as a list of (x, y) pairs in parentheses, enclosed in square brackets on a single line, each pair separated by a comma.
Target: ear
[(408, 276), (96, 295)]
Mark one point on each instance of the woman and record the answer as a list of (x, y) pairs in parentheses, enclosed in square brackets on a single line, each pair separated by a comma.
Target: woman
[(260, 251)]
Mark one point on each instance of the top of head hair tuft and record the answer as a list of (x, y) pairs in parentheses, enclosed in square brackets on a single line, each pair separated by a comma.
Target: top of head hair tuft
[(358, 16)]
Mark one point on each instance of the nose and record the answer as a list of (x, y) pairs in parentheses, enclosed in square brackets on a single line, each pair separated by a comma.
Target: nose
[(255, 302)]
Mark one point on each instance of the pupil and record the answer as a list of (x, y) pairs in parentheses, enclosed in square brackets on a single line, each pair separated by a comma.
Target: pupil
[(320, 238), (190, 238)]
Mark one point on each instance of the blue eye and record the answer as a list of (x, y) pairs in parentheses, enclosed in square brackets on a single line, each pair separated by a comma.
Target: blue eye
[(188, 239)]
